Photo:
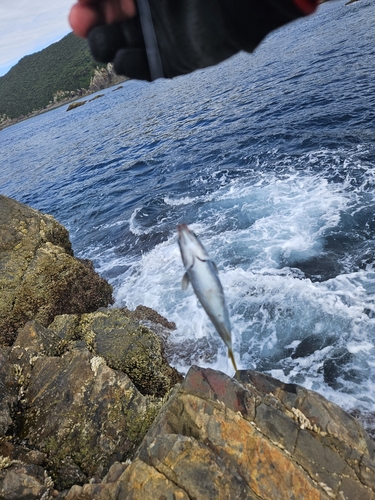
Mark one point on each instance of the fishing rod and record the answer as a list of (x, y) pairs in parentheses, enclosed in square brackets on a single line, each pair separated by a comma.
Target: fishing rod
[(152, 49)]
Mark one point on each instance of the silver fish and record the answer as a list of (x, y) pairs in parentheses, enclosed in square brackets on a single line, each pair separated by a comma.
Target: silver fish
[(202, 273)]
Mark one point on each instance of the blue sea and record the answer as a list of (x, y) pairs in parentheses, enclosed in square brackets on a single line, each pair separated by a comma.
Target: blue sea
[(270, 159)]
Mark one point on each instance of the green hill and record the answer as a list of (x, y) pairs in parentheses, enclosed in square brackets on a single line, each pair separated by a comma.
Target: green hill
[(34, 81)]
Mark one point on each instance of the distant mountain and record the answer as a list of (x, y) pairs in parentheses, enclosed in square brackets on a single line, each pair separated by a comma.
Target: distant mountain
[(64, 69)]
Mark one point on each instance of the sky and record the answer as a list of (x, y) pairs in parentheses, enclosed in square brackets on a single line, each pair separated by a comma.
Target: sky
[(27, 26)]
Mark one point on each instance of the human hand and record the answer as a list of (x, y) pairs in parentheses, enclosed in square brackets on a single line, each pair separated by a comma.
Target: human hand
[(191, 34), (86, 14)]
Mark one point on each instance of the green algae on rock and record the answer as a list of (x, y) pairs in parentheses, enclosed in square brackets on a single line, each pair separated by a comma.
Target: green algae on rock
[(125, 344), (39, 276), (83, 415)]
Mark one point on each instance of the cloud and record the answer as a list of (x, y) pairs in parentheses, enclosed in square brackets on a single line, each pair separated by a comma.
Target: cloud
[(27, 26)]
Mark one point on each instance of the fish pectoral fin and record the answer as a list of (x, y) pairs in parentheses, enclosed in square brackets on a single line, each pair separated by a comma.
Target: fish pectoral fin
[(185, 281), (215, 266)]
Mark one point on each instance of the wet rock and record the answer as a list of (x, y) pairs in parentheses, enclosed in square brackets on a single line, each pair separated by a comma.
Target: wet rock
[(125, 344), (367, 419), (311, 344), (39, 276), (318, 268), (143, 313), (83, 415), (75, 105), (94, 98), (339, 368)]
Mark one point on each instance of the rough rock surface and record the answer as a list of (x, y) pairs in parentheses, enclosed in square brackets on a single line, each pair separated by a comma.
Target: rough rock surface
[(79, 412), (39, 277), (256, 438), (8, 392), (127, 345)]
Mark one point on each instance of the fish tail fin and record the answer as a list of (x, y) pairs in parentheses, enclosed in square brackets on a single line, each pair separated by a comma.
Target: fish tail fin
[(231, 356)]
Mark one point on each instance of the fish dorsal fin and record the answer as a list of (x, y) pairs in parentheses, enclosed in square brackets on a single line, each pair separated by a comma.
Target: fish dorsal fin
[(185, 281)]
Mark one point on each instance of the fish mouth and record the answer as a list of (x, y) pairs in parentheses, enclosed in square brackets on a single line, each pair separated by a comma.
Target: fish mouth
[(181, 228)]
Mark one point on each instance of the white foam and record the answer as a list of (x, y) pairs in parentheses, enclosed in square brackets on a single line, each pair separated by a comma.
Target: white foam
[(185, 200), (250, 230), (355, 348)]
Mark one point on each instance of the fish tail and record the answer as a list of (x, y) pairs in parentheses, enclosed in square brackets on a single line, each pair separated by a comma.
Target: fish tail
[(231, 356)]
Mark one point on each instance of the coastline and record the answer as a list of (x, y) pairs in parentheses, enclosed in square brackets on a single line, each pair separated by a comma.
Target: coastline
[(63, 102)]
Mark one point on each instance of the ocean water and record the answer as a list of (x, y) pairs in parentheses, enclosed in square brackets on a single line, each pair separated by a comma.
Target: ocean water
[(270, 158)]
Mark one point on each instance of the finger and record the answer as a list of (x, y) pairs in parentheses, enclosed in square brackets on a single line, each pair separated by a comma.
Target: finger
[(106, 40), (82, 18), (86, 14), (132, 63), (113, 11), (129, 8), (119, 10)]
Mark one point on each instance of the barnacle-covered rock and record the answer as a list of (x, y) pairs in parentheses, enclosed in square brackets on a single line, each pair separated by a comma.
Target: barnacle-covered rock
[(39, 276)]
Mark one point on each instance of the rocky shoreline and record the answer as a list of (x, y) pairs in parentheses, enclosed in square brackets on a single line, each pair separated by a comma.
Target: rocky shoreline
[(70, 98), (91, 409)]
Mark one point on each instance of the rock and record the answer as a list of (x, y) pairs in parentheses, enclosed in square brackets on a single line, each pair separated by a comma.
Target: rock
[(18, 453), (22, 476), (39, 276), (63, 410), (257, 438), (310, 344), (74, 105), (79, 390), (340, 367), (253, 438), (143, 313), (83, 415), (74, 414), (114, 473), (125, 344), (106, 490), (23, 482), (94, 98), (8, 392), (367, 419)]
